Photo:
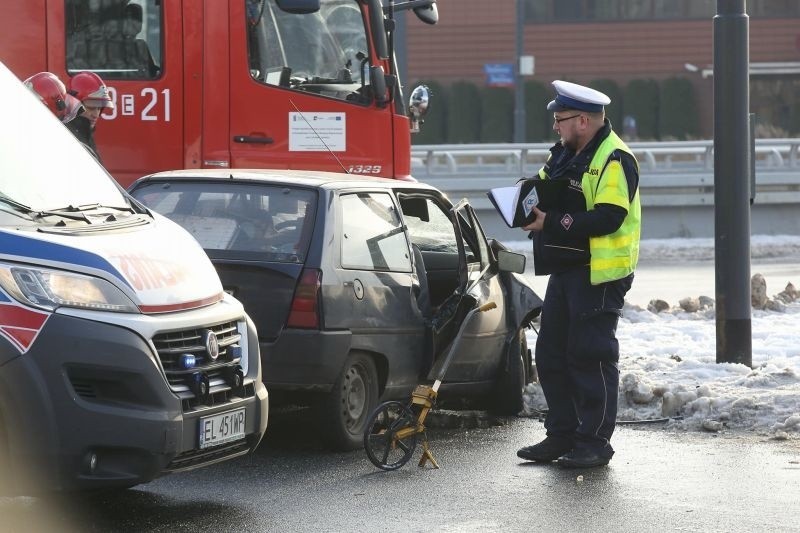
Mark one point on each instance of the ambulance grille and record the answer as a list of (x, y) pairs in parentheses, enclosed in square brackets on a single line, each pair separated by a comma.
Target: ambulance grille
[(176, 348), (195, 458)]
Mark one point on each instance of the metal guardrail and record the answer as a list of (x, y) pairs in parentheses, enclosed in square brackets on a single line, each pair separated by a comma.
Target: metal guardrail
[(677, 173), (524, 159)]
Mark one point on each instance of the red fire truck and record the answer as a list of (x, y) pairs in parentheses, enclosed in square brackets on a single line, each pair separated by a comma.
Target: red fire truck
[(308, 84)]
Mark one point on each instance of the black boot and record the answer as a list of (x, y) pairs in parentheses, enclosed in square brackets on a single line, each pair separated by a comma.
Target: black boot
[(550, 449), (586, 458)]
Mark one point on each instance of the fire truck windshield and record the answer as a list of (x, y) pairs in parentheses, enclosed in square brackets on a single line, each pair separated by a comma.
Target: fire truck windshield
[(322, 52)]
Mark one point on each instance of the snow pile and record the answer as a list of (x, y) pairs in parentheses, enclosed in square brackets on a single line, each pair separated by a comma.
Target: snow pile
[(668, 365)]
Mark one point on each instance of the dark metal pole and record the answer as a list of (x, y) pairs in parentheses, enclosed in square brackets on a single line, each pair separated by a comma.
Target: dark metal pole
[(752, 130), (732, 183), (401, 46), (519, 86)]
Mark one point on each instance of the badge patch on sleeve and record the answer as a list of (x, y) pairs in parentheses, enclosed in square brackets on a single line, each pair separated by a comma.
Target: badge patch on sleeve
[(566, 221)]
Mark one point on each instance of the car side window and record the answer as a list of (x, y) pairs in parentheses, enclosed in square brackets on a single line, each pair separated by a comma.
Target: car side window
[(118, 40), (373, 237), (433, 232)]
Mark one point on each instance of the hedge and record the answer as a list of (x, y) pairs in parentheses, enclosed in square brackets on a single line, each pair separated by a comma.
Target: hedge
[(538, 120), (464, 113), (640, 101), (467, 113), (677, 110), (497, 111), (614, 109)]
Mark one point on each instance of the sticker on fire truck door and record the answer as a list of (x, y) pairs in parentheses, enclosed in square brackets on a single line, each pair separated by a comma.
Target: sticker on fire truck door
[(317, 132)]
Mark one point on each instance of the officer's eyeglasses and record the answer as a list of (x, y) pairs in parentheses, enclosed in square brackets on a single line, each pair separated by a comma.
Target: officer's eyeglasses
[(560, 120)]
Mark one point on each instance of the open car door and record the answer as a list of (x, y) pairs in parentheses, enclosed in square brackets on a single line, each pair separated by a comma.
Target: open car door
[(446, 319), (481, 349)]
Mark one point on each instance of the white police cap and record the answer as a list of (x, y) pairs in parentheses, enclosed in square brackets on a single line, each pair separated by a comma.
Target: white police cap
[(574, 96)]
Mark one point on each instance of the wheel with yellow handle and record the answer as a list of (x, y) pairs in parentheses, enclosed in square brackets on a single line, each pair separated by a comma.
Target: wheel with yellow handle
[(390, 437)]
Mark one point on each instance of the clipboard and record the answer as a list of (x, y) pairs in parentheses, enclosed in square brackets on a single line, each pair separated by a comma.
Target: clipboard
[(515, 203)]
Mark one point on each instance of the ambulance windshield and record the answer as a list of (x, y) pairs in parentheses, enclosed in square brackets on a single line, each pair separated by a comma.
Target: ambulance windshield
[(42, 165)]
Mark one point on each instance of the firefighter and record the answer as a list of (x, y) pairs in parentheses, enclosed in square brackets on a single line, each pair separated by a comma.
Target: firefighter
[(589, 247), (92, 92), (53, 94)]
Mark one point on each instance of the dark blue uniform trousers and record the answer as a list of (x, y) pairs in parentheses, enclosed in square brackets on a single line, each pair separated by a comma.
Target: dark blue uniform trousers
[(576, 357)]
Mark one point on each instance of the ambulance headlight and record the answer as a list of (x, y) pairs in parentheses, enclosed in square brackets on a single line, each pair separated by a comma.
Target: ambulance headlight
[(50, 289)]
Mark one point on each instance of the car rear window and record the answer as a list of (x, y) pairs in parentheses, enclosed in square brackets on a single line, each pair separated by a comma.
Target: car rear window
[(273, 223)]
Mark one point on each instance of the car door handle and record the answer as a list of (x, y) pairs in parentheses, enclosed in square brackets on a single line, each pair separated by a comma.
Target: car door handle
[(252, 139)]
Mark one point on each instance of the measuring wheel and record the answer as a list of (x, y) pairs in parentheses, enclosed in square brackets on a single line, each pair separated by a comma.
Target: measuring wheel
[(390, 436)]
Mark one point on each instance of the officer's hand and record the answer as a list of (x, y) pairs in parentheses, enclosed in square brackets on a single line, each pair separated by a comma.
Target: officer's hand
[(538, 222)]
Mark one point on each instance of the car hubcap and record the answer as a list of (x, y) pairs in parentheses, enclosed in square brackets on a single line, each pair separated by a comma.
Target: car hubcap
[(355, 398)]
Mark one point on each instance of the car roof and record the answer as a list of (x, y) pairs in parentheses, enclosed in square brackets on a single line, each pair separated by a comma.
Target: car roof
[(307, 178)]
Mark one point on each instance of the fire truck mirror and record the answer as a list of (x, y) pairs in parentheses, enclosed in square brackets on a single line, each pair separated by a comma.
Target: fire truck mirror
[(428, 14), (378, 83), (418, 106)]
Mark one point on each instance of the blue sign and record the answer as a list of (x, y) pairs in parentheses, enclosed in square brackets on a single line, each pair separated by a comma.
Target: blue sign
[(499, 74)]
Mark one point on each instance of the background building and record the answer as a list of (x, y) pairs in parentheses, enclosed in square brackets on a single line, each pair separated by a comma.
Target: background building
[(654, 57)]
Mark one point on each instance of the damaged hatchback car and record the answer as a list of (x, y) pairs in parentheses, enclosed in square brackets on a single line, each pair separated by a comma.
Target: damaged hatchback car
[(357, 286)]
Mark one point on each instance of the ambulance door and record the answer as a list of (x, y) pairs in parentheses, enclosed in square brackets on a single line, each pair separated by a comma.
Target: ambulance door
[(136, 47), (300, 91)]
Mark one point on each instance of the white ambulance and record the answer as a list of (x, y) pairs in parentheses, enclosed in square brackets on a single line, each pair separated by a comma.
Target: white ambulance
[(121, 358)]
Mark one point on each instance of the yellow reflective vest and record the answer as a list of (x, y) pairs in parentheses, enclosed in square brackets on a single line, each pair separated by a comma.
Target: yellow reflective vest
[(614, 256)]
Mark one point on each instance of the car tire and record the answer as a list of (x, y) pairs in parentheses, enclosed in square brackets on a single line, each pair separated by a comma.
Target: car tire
[(344, 412), (511, 381)]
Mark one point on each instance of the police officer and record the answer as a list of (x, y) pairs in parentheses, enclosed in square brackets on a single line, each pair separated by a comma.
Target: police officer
[(589, 247)]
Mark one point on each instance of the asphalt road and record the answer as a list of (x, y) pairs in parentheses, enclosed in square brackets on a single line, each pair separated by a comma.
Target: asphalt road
[(660, 480)]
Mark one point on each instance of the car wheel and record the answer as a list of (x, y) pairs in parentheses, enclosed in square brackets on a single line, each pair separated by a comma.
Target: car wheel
[(344, 412), (511, 381)]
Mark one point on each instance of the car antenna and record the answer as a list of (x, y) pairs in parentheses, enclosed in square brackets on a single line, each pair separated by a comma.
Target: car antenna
[(319, 137)]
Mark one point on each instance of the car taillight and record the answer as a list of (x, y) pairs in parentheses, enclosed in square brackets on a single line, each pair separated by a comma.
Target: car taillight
[(305, 304)]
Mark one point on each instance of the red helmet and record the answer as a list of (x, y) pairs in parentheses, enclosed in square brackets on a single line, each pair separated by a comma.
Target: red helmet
[(90, 89), (53, 94)]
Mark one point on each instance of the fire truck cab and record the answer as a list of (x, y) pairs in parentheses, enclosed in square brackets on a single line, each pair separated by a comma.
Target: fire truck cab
[(306, 84)]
